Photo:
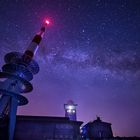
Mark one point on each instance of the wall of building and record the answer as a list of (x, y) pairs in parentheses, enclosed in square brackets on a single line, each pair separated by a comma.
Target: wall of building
[(47, 128), (101, 130)]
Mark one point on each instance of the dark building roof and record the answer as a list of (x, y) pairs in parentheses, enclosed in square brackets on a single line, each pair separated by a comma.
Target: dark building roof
[(42, 118), (47, 119)]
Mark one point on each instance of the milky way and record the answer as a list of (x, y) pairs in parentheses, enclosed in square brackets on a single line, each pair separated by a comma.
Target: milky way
[(90, 54)]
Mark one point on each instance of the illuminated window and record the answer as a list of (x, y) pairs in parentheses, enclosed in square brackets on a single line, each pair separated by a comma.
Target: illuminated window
[(73, 111), (69, 110)]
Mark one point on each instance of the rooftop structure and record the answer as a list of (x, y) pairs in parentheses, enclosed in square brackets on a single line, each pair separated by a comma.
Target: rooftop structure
[(70, 110)]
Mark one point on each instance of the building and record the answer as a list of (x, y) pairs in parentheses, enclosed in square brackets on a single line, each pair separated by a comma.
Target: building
[(46, 128), (42, 128), (97, 130)]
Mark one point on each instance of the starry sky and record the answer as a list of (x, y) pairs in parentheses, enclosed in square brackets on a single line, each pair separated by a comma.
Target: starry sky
[(90, 54)]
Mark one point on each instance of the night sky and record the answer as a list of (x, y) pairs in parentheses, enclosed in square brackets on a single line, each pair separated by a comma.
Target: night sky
[(89, 54)]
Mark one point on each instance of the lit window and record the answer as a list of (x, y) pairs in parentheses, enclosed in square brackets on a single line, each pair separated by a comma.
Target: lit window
[(69, 110)]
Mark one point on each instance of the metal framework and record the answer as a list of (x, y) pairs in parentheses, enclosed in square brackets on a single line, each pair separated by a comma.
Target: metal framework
[(15, 77)]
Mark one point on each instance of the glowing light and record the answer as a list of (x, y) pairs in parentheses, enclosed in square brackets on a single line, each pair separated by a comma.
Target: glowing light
[(73, 111), (47, 22), (70, 107), (69, 111)]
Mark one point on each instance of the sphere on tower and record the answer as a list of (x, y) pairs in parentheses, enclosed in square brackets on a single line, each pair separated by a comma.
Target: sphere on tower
[(70, 110)]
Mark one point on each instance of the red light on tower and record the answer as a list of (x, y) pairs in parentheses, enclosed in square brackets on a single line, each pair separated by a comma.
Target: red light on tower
[(47, 22)]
